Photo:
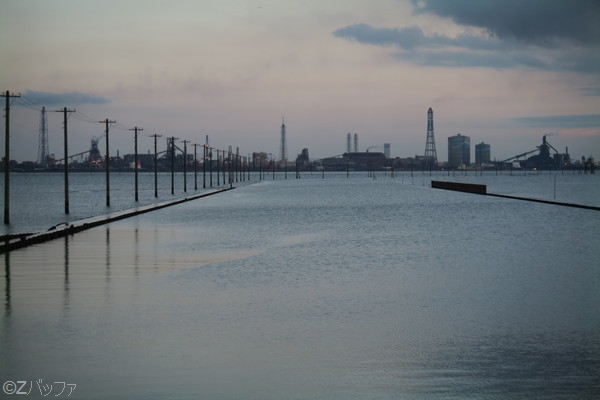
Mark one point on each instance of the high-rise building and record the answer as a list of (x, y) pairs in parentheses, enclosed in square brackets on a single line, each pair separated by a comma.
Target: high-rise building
[(459, 150), (482, 153), (430, 152), (386, 150)]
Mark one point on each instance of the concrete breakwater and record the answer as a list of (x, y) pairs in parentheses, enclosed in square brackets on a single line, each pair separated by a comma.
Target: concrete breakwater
[(17, 241), (482, 189)]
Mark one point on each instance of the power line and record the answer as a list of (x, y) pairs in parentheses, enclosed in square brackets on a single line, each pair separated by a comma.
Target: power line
[(78, 115), (25, 102)]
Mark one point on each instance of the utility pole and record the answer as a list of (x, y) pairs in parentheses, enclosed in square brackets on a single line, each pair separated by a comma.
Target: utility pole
[(204, 168), (237, 164), (136, 129), (173, 164), (185, 142), (195, 167), (155, 166), (7, 96), (230, 160), (219, 168), (107, 121), (204, 164), (66, 160), (210, 156)]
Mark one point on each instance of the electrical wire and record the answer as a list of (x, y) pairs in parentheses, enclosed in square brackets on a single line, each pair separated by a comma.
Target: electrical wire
[(26, 102), (79, 116)]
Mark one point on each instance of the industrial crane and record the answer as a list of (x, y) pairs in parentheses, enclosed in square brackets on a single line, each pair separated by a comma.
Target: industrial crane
[(543, 149)]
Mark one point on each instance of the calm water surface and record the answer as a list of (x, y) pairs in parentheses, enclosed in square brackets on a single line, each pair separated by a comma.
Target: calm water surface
[(315, 289)]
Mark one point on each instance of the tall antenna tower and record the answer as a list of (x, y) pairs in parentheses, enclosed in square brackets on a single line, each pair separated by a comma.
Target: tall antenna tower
[(43, 148), (283, 149), (430, 153)]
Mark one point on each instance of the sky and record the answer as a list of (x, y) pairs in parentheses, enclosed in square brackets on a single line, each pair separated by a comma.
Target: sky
[(504, 72)]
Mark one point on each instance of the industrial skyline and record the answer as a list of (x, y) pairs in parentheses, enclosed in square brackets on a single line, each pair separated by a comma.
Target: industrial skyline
[(459, 150), (226, 69)]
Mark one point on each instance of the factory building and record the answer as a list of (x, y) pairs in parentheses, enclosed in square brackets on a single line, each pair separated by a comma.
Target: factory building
[(459, 151), (482, 153)]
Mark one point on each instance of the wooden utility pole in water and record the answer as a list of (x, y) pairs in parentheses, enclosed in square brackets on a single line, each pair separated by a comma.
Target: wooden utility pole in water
[(219, 170), (106, 121), (185, 142), (195, 167), (7, 159), (155, 166), (204, 166), (173, 164), (66, 160), (135, 159)]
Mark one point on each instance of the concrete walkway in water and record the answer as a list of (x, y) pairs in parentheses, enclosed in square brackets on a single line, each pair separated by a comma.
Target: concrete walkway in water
[(17, 241), (482, 189)]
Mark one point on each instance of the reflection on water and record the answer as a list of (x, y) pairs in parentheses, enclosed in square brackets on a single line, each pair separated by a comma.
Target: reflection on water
[(314, 289), (7, 284), (66, 287)]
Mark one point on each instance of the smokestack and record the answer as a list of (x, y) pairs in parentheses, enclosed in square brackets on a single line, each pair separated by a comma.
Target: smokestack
[(349, 143), (356, 142), (283, 150)]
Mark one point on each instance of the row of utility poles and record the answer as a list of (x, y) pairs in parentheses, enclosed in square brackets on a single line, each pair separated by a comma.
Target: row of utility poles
[(233, 163)]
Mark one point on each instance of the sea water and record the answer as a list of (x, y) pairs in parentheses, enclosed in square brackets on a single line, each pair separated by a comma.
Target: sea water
[(334, 288)]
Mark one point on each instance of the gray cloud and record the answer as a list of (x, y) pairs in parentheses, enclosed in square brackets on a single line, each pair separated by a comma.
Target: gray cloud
[(407, 38), (494, 60), (63, 99), (412, 37), (561, 121), (540, 22), (518, 35), (591, 91), (467, 50)]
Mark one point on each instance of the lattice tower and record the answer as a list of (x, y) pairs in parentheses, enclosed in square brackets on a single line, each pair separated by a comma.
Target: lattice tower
[(43, 147), (283, 148), (430, 153)]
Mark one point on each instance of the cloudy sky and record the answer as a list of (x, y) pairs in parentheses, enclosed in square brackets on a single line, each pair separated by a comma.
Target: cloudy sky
[(504, 72)]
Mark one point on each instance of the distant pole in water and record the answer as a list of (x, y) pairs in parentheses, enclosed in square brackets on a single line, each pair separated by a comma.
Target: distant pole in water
[(185, 165), (172, 147), (7, 158), (237, 164), (106, 121), (210, 165), (219, 169), (66, 160), (204, 163), (135, 160), (66, 147), (155, 166), (204, 167), (195, 167)]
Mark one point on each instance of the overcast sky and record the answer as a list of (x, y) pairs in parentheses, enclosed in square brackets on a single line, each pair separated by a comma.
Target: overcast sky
[(504, 72)]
